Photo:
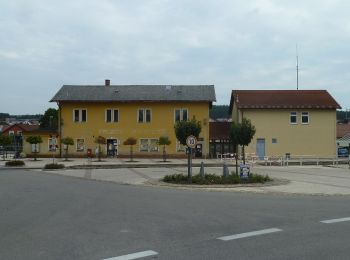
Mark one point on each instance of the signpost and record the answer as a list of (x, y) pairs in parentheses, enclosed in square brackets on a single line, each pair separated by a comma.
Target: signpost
[(191, 142)]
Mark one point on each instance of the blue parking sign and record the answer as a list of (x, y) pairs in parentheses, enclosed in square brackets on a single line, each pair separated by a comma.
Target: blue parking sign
[(244, 171)]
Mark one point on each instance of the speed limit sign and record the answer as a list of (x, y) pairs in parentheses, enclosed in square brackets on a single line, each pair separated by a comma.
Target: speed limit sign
[(191, 141)]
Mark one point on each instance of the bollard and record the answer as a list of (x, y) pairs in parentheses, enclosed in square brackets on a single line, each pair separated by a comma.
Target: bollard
[(225, 171), (201, 171)]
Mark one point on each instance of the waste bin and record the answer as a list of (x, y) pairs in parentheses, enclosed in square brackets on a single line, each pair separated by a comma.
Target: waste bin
[(89, 153)]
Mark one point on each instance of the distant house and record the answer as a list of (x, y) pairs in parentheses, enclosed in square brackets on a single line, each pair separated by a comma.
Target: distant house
[(288, 122), (145, 112), (343, 139), (16, 131), (343, 129)]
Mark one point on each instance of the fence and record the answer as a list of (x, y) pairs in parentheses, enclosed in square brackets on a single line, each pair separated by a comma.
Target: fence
[(10, 151), (285, 161)]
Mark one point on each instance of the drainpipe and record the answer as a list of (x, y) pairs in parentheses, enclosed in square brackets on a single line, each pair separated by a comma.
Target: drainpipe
[(59, 128)]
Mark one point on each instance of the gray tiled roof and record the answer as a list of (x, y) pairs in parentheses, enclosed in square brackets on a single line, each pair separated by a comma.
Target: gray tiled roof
[(127, 93)]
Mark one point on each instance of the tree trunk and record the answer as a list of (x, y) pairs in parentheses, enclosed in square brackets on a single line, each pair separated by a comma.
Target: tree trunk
[(243, 153), (67, 154), (99, 153), (237, 163), (164, 154), (131, 155)]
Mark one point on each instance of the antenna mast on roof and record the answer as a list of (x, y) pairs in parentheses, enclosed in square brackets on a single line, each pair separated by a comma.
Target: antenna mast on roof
[(296, 49)]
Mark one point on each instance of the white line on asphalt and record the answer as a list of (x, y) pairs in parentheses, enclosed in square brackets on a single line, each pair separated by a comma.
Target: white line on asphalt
[(250, 234), (330, 221), (134, 255)]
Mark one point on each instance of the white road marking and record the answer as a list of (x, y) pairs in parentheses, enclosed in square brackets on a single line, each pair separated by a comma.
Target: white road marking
[(134, 255), (250, 234), (336, 220)]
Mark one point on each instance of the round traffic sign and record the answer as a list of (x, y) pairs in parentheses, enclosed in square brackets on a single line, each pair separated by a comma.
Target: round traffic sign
[(191, 141)]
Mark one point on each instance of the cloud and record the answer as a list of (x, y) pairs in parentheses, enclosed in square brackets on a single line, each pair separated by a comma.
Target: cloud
[(232, 44)]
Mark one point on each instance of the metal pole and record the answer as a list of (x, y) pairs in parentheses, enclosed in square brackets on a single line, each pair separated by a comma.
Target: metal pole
[(189, 164)]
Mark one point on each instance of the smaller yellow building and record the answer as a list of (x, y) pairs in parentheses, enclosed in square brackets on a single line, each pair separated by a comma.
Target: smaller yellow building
[(48, 148), (288, 122)]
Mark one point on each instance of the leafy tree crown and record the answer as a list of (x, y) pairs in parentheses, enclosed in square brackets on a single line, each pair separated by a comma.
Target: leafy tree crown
[(5, 140), (184, 129), (34, 139), (130, 141), (100, 140), (67, 141), (164, 140), (49, 119)]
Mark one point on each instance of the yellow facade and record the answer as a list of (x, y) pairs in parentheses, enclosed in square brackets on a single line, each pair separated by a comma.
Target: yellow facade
[(44, 148), (161, 124), (315, 139)]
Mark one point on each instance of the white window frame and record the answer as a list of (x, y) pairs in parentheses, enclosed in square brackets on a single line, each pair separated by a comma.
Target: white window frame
[(307, 116), (180, 147), (149, 140), (76, 144), (144, 115), (35, 148), (80, 117), (112, 115), (181, 114), (296, 118), (48, 144), (12, 132)]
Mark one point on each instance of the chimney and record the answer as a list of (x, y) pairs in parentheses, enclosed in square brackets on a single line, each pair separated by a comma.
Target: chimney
[(107, 82)]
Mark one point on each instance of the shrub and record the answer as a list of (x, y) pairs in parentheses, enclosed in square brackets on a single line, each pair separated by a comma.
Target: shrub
[(15, 163), (53, 166), (210, 179)]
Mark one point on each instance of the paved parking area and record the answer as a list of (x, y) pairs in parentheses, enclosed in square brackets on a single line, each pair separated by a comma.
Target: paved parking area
[(302, 179)]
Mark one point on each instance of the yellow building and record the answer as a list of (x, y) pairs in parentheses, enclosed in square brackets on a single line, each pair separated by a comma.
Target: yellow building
[(288, 122), (47, 148), (144, 112)]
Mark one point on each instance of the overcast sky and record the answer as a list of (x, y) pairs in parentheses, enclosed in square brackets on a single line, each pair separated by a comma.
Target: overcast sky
[(239, 44)]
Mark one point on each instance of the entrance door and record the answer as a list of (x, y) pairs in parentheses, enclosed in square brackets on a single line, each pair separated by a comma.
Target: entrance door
[(260, 148), (112, 147)]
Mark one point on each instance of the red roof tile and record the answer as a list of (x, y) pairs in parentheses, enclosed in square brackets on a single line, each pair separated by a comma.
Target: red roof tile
[(280, 99), (342, 130)]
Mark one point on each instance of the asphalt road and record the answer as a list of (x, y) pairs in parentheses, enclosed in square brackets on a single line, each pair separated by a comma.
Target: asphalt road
[(45, 216)]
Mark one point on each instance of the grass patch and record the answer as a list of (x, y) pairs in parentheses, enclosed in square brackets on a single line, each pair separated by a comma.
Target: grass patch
[(15, 163), (54, 166), (210, 179)]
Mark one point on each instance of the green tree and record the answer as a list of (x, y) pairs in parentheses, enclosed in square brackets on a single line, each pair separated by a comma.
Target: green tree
[(241, 134), (219, 111), (131, 141), (234, 138), (50, 119), (34, 139), (164, 140), (67, 141), (184, 129), (247, 133), (100, 140), (5, 141)]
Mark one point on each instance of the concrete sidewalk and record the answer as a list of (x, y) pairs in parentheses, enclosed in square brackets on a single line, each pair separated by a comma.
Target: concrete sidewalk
[(316, 180), (107, 163)]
